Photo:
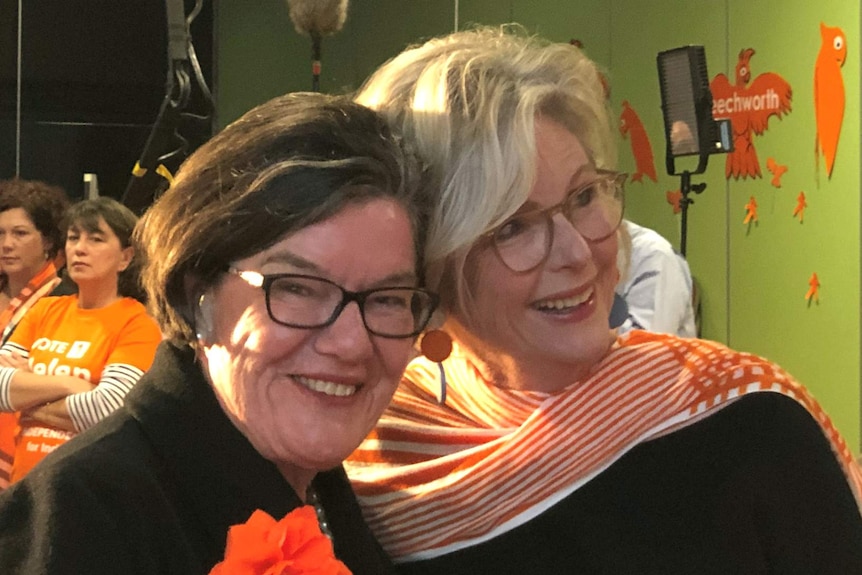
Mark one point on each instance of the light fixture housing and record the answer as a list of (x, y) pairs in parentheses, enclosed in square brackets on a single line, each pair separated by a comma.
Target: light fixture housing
[(686, 103)]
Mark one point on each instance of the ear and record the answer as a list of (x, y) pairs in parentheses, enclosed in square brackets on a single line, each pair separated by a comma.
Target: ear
[(127, 255), (193, 287), (47, 247), (204, 319), (196, 306)]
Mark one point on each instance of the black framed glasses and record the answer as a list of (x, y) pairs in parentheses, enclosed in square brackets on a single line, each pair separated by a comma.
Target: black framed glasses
[(595, 210), (309, 302)]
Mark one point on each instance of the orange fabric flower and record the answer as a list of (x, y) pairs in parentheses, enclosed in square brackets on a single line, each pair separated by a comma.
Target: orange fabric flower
[(293, 546)]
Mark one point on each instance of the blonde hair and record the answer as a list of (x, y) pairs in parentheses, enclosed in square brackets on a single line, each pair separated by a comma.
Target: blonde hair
[(468, 102)]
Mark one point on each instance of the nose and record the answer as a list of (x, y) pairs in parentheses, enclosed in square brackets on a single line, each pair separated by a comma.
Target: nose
[(76, 246), (346, 337), (568, 246)]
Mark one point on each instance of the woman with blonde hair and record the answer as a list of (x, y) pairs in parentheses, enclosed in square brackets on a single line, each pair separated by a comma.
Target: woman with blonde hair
[(543, 443)]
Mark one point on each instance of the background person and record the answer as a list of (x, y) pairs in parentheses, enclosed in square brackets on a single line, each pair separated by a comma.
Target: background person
[(30, 240), (72, 359), (558, 448), (656, 285), (284, 267)]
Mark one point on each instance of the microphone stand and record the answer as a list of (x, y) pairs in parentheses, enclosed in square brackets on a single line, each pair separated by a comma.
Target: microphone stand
[(315, 60)]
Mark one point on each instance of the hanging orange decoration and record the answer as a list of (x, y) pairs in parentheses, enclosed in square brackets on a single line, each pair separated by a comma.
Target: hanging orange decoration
[(801, 204), (777, 170), (673, 198), (813, 293), (750, 211)]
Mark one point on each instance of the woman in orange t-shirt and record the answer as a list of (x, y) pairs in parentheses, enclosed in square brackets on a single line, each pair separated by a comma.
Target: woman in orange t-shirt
[(30, 238), (72, 359)]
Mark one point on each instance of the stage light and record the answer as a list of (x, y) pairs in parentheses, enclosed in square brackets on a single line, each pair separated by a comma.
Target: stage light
[(689, 127)]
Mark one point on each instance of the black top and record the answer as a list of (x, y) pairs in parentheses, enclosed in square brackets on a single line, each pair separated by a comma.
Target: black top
[(752, 489), (154, 488)]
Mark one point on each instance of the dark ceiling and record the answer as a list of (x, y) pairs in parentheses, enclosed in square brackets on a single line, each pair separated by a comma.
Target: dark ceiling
[(91, 60)]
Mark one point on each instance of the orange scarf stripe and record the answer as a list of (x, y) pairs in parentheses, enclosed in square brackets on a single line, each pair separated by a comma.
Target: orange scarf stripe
[(519, 490), (47, 275), (524, 451)]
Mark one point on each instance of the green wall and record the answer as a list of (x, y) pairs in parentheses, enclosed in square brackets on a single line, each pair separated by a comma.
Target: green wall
[(753, 279), (260, 55)]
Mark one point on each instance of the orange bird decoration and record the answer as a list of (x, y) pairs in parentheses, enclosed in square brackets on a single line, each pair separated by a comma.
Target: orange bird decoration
[(813, 292), (750, 211), (749, 105), (829, 94), (673, 199), (777, 171), (801, 204), (631, 125)]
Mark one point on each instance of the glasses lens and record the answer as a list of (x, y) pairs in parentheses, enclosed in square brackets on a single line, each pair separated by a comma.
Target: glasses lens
[(302, 301), (522, 241), (398, 312), (596, 210)]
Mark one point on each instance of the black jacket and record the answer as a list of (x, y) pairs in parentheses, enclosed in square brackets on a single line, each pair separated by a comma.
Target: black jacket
[(154, 488), (754, 488)]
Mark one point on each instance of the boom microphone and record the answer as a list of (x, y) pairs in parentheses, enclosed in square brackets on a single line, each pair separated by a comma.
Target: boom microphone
[(317, 18)]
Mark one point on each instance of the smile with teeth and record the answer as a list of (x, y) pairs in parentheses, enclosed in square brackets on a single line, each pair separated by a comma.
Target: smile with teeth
[(327, 387), (564, 303)]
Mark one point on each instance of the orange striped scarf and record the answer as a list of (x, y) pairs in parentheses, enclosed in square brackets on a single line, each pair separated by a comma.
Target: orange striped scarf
[(433, 479), (39, 286)]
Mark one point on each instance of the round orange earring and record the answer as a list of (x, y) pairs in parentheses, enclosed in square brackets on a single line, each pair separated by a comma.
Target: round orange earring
[(436, 345)]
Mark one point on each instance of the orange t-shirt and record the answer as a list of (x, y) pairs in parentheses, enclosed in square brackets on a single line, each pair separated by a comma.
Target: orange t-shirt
[(110, 347)]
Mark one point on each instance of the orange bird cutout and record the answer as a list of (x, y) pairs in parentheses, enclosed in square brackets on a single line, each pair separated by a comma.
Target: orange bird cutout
[(750, 211), (631, 125), (801, 204), (813, 292), (673, 199), (829, 94), (777, 170), (749, 105)]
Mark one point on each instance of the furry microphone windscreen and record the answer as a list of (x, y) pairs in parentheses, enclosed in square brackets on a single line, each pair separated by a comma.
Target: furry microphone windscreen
[(320, 17)]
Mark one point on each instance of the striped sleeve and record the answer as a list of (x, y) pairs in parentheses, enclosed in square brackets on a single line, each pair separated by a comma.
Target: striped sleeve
[(88, 408), (6, 374)]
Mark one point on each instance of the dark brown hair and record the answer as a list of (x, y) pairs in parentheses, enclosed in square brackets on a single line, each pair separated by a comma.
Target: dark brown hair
[(44, 203), (86, 215), (287, 164)]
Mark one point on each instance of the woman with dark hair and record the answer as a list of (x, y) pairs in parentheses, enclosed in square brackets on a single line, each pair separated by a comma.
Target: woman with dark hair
[(30, 238), (73, 358), (284, 267)]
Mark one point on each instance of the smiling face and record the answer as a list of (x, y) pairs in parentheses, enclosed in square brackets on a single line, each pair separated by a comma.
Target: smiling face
[(305, 398), (545, 328), (22, 246)]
